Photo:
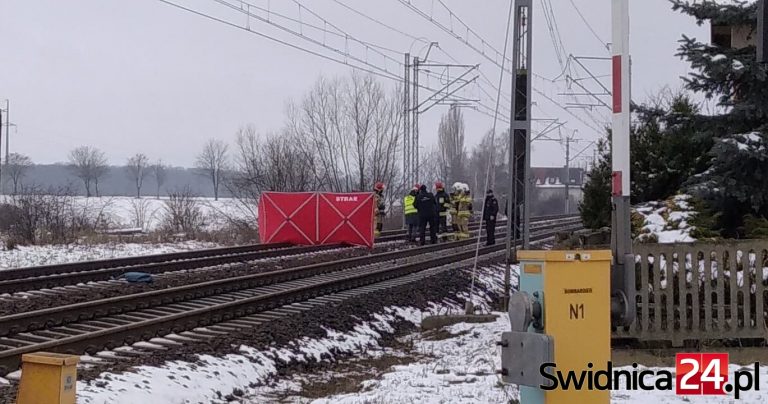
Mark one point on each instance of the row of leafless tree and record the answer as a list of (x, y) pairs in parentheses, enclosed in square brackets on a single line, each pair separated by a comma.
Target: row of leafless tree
[(343, 135), (90, 165)]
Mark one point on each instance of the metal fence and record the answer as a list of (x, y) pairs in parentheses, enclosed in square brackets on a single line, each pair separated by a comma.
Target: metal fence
[(700, 291)]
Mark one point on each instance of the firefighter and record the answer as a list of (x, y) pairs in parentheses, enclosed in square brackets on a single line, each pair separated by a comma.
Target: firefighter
[(452, 213), (411, 214), (464, 212), (443, 206), (379, 212), (426, 205), (490, 210)]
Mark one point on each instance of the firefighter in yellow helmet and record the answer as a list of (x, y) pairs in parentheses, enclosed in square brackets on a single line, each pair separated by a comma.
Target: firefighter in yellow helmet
[(464, 211), (379, 210)]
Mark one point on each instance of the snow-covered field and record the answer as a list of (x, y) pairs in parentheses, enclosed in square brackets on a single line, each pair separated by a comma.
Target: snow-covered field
[(147, 213), (58, 254)]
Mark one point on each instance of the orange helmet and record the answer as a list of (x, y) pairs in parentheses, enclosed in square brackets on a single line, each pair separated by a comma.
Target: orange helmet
[(439, 185), (379, 186)]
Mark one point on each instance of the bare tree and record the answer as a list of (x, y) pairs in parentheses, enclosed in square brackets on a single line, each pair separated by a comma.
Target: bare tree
[(137, 170), (100, 168), (271, 163), (90, 165), (17, 165), (160, 174), (212, 163), (183, 212), (451, 142), (350, 130), (488, 149)]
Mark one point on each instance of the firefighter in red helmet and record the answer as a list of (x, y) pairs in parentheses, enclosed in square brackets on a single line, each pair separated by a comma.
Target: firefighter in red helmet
[(443, 206), (379, 211)]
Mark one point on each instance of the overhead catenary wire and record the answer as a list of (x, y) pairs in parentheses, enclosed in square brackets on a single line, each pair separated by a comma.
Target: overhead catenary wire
[(504, 68), (314, 41), (371, 69), (491, 154), (377, 21), (589, 26)]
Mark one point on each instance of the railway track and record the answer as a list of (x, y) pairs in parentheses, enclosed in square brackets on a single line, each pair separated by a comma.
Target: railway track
[(50, 276), (91, 326)]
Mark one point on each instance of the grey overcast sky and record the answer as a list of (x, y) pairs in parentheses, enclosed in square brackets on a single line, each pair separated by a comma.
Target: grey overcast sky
[(141, 76)]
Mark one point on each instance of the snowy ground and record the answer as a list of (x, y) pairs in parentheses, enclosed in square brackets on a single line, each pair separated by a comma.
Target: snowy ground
[(460, 368), (666, 221), (58, 254)]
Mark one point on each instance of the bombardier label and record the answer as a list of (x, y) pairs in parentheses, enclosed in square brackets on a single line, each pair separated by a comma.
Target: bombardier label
[(577, 291)]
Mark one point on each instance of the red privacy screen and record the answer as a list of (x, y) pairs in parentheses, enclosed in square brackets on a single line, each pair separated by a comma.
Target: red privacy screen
[(308, 218)]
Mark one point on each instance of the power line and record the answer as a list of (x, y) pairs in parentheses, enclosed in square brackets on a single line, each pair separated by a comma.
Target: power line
[(377, 21), (324, 30), (346, 54), (554, 32), (492, 153), (282, 42), (466, 41), (454, 34), (342, 32), (592, 30)]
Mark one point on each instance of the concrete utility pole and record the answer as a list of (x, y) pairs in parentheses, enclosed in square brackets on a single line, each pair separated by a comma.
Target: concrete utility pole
[(568, 141), (623, 268), (518, 201), (415, 121), (7, 130), (407, 180)]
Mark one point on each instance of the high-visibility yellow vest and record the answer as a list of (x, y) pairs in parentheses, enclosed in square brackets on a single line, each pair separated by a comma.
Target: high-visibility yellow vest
[(408, 205)]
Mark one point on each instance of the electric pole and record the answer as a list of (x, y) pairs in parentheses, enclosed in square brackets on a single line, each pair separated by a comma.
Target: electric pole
[(519, 137), (407, 123), (568, 174), (415, 121)]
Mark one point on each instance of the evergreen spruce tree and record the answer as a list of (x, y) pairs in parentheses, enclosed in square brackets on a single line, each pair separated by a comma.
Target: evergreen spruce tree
[(595, 207), (666, 147), (734, 187)]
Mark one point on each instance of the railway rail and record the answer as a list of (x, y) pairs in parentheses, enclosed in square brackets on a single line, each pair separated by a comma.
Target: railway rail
[(91, 326), (49, 276)]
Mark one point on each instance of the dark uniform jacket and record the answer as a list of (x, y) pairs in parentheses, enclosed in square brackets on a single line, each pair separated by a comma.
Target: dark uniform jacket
[(426, 204), (443, 202), (491, 207)]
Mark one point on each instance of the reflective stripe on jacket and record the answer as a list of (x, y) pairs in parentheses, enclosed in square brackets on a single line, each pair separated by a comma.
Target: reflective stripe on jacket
[(464, 206), (408, 205)]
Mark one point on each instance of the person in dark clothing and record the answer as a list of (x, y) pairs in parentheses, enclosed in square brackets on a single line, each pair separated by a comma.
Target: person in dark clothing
[(490, 211), (443, 205), (426, 205)]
